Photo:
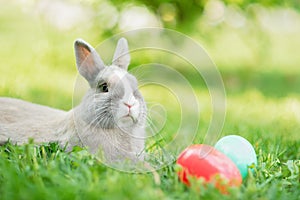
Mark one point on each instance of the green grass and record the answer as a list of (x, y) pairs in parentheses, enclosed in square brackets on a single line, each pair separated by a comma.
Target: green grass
[(46, 172), (37, 64)]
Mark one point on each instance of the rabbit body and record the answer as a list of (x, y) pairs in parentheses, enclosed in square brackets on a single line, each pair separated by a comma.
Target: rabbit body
[(21, 120), (110, 119)]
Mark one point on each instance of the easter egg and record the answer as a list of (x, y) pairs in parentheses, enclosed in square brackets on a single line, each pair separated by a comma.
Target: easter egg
[(239, 150), (204, 161)]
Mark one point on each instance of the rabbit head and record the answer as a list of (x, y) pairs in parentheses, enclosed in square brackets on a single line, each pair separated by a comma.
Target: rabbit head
[(113, 100)]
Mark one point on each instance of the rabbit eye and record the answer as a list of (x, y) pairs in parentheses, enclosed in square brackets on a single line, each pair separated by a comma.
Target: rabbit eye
[(103, 87)]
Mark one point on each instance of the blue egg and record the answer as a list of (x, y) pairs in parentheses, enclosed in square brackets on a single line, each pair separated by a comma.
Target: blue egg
[(239, 150)]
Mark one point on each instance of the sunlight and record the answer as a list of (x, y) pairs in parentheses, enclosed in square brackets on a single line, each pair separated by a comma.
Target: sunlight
[(137, 17)]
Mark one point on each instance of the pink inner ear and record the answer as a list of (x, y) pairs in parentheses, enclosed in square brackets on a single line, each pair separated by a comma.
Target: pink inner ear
[(84, 53), (87, 60)]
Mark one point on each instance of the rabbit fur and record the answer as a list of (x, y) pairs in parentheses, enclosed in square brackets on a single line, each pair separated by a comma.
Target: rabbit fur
[(110, 118)]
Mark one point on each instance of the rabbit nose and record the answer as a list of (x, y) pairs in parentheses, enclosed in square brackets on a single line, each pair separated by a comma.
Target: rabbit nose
[(129, 101), (128, 105)]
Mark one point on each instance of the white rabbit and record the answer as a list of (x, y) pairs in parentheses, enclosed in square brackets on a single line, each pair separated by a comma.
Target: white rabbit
[(110, 118)]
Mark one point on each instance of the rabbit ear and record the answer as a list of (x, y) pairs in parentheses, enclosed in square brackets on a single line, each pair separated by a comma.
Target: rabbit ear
[(121, 57), (88, 61)]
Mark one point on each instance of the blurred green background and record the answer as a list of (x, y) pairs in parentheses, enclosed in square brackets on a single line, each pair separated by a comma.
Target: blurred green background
[(255, 45)]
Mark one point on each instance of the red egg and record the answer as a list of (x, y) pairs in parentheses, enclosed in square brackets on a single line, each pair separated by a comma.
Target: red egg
[(204, 161)]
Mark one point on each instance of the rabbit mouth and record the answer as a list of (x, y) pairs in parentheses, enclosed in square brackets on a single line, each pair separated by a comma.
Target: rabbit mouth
[(128, 117)]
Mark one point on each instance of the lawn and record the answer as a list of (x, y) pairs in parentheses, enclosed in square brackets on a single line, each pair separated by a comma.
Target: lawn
[(263, 106)]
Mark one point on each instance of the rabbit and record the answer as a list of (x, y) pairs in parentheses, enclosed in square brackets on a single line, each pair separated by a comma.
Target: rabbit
[(110, 120)]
